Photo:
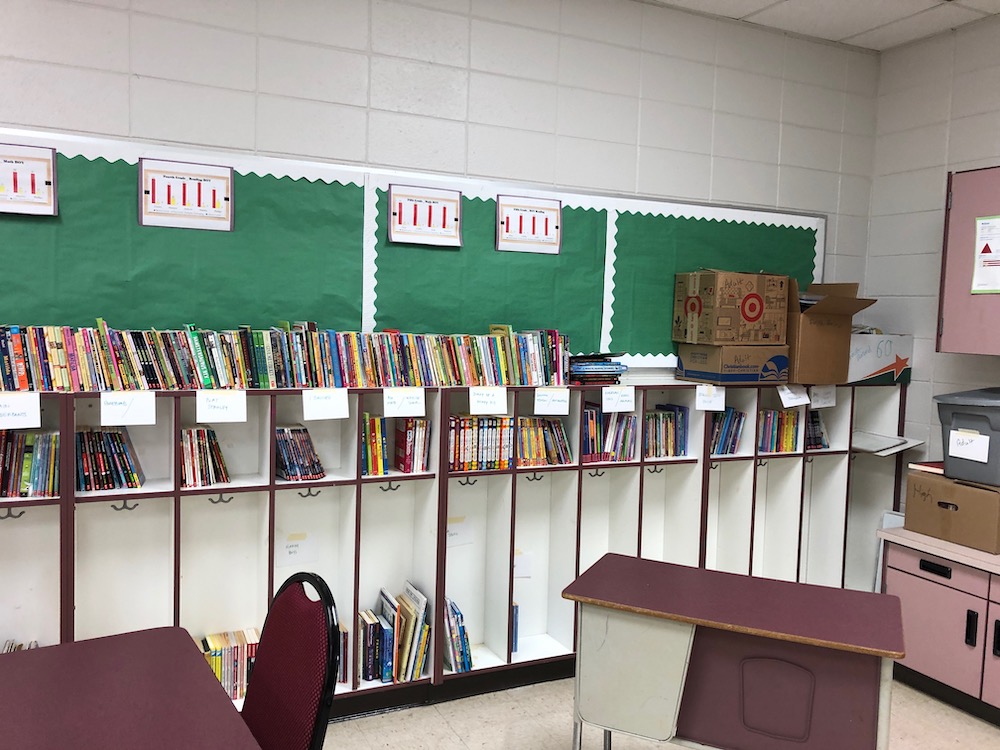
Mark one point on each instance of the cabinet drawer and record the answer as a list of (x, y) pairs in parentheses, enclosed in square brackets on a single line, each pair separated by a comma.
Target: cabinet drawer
[(995, 588), (939, 570)]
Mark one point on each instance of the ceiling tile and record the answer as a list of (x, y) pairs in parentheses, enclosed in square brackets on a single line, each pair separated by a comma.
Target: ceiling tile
[(915, 27), (725, 8), (837, 19), (987, 6)]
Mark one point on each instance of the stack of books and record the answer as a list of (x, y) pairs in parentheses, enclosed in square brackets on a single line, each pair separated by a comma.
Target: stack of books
[(479, 443), (394, 637), (374, 448), (596, 369), (816, 438), (666, 431), (106, 460), (29, 464), (777, 430), (202, 463), (457, 651), (231, 655), (542, 442), (10, 646), (413, 445), (297, 459), (727, 426)]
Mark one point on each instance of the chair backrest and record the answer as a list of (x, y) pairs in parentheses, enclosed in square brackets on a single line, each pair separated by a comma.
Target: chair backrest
[(288, 698)]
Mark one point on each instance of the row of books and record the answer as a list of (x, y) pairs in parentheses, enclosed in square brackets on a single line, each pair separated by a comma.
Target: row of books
[(457, 651), (29, 464), (413, 445), (394, 637), (202, 462), (480, 443), (816, 438), (607, 436), (727, 427), (374, 445), (231, 655), (10, 646), (666, 431), (107, 460), (542, 442), (777, 430), (297, 355), (297, 459)]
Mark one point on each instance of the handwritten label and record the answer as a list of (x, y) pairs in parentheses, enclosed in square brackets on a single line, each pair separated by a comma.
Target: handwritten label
[(128, 408), (459, 531), (551, 402), (20, 411), (404, 402), (617, 398), (710, 398), (969, 445), (524, 563), (325, 403), (295, 549), (793, 395), (823, 396), (221, 406), (488, 399)]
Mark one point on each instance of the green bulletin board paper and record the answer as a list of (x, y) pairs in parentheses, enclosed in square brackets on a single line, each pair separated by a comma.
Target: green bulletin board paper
[(294, 254), (428, 289), (651, 249)]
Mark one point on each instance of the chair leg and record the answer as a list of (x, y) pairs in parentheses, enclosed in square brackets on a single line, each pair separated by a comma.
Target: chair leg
[(607, 739), (577, 734)]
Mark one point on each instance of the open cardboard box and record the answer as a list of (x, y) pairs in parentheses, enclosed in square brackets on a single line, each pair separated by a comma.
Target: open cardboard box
[(819, 339)]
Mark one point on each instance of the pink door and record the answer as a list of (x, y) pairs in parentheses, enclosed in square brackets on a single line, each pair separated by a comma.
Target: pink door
[(991, 667)]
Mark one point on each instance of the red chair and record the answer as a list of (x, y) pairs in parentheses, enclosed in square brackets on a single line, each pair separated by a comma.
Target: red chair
[(290, 690)]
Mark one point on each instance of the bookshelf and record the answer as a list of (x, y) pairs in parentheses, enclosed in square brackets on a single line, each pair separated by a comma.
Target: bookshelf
[(91, 563)]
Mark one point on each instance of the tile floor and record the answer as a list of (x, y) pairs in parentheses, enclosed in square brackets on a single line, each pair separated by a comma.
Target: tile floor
[(539, 717)]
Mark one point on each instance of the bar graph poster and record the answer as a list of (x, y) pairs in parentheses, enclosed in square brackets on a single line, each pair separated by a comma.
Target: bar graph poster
[(190, 196), (425, 216), (28, 180), (528, 225)]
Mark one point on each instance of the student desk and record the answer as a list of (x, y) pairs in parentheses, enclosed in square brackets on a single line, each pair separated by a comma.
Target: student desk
[(148, 690), (716, 660)]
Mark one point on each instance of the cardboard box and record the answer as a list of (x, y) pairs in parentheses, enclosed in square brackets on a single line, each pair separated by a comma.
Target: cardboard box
[(724, 307), (880, 359), (819, 339), (959, 512), (731, 365)]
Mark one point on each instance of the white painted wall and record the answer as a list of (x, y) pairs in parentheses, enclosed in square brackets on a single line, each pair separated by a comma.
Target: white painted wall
[(938, 111), (607, 95)]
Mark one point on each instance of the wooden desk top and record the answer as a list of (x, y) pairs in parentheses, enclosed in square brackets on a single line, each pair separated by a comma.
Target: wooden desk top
[(151, 689), (834, 618)]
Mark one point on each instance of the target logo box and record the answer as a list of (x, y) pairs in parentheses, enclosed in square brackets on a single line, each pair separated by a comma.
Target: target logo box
[(819, 331), (725, 307)]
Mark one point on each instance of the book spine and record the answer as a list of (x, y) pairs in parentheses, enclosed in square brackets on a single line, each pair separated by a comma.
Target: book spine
[(198, 353)]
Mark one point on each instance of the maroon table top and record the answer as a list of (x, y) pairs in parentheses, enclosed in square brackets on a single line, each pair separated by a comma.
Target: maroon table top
[(148, 690), (855, 621)]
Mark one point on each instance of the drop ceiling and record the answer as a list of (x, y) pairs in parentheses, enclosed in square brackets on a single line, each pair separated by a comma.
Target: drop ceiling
[(872, 24)]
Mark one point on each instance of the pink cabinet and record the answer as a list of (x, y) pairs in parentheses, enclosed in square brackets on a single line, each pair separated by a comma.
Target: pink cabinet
[(991, 661)]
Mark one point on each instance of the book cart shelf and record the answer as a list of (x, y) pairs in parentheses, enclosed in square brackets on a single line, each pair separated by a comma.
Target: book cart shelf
[(500, 542)]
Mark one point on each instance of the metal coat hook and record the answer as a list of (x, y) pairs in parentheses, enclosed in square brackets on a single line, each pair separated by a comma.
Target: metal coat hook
[(713, 465), (11, 514), (389, 487), (761, 462), (655, 469), (467, 482), (596, 473), (221, 499), (809, 459), (309, 493), (125, 505), (535, 477)]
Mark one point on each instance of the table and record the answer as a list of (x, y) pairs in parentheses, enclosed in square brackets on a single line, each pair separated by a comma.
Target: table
[(148, 690), (707, 659)]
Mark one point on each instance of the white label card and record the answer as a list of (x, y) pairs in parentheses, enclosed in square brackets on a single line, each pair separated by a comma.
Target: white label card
[(295, 549), (488, 399), (119, 408), (20, 411), (617, 398), (969, 445), (403, 402), (220, 406), (552, 402), (793, 395), (523, 564), (325, 403), (710, 398), (459, 531), (823, 396)]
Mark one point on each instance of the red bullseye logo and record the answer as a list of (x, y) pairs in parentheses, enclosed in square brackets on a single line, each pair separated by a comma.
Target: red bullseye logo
[(752, 308), (692, 305)]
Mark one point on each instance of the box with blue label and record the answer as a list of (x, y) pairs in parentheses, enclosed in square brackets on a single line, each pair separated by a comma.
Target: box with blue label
[(880, 359), (732, 365)]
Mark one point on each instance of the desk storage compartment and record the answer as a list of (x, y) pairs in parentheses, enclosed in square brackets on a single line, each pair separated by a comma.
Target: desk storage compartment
[(939, 570)]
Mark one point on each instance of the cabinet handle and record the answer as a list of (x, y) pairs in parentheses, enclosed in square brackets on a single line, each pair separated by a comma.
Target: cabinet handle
[(996, 637), (971, 626), (936, 568)]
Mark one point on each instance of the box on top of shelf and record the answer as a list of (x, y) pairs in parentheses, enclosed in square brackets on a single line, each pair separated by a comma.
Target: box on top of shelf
[(732, 365), (958, 512), (970, 434), (725, 307), (880, 358), (819, 331)]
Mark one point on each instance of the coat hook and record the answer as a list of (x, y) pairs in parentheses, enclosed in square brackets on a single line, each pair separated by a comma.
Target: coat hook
[(761, 462), (125, 505), (309, 493), (596, 473), (467, 482), (655, 469), (713, 465), (11, 514), (535, 477), (809, 459), (389, 487), (221, 499)]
